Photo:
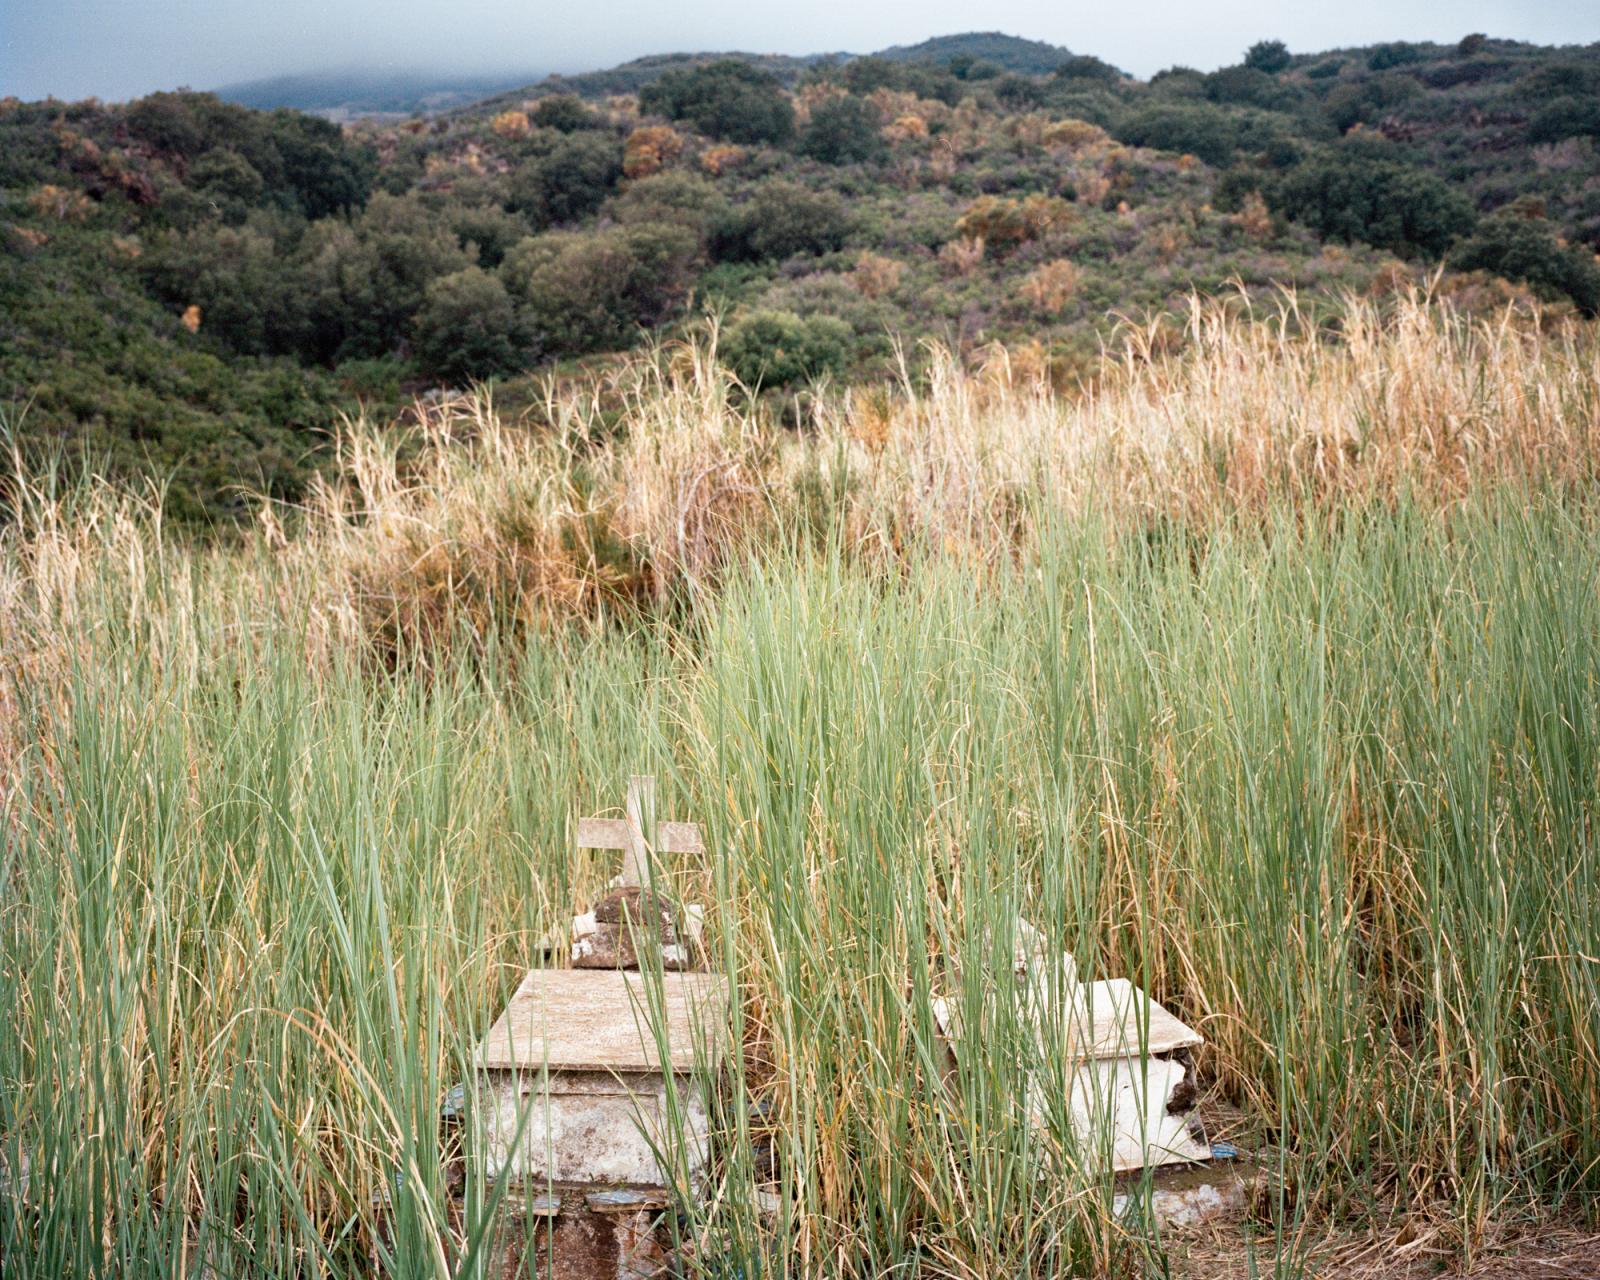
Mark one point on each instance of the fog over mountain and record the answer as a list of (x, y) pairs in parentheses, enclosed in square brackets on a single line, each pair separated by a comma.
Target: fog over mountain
[(120, 48)]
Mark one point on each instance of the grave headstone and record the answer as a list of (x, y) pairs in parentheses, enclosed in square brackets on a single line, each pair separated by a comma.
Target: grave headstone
[(592, 1083), (1124, 1054)]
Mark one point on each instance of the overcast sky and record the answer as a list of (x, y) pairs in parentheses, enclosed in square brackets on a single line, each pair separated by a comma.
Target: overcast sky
[(120, 48)]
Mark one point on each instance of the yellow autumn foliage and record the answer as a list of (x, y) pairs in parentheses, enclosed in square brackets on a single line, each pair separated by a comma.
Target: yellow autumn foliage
[(650, 150)]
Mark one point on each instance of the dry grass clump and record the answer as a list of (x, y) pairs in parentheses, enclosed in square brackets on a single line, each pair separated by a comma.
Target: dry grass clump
[(876, 275), (1051, 285), (485, 522)]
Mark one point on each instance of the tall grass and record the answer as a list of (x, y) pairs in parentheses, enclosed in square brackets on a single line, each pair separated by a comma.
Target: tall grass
[(1305, 739)]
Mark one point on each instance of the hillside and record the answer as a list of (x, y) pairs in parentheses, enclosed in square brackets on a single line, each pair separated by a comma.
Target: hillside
[(192, 288), (1008, 53), (353, 93), (629, 77)]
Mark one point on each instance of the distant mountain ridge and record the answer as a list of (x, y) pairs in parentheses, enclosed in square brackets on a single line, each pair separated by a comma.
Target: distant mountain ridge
[(356, 92), (631, 76), (1009, 53)]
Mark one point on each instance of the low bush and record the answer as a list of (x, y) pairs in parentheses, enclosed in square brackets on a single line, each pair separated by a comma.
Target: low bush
[(770, 350)]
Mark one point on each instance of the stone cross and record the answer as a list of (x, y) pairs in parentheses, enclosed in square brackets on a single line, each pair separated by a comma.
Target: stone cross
[(639, 833)]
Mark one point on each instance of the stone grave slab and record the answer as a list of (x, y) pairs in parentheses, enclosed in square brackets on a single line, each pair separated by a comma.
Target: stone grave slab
[(1125, 1061), (581, 1051)]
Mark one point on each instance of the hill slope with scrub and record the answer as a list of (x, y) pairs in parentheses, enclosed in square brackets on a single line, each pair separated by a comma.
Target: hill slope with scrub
[(197, 291)]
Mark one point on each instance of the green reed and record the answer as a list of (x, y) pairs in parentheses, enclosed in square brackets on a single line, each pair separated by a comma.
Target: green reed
[(1327, 786)]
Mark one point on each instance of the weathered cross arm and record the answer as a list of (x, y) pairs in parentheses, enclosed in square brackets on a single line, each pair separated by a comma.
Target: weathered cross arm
[(630, 834), (613, 833)]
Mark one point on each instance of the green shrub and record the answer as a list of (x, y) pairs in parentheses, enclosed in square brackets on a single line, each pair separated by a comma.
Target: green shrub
[(1398, 53), (1568, 117), (305, 163), (1366, 100), (843, 130), (974, 70), (1356, 195), (228, 180), (571, 181), (672, 198), (486, 229), (1271, 56), (250, 300), (1446, 75), (363, 281), (563, 111), (1527, 249), (1020, 93), (1178, 82), (594, 290), (1247, 86), (1561, 79), (1214, 134), (467, 328), (781, 220), (167, 122), (326, 173), (1087, 67), (728, 99), (775, 349)]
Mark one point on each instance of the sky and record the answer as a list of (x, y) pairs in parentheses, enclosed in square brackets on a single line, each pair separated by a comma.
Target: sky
[(116, 49)]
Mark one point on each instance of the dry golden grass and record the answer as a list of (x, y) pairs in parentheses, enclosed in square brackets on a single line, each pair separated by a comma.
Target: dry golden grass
[(569, 517)]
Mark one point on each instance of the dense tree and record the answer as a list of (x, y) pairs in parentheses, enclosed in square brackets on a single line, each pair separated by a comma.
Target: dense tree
[(467, 328), (1212, 133), (1020, 93), (1367, 100), (1527, 249), (1271, 56), (843, 130), (1398, 53), (673, 198), (781, 220), (1248, 86), (188, 281), (486, 229), (1567, 117), (571, 181), (1561, 79), (1085, 66), (228, 182), (594, 290), (1357, 194), (867, 75), (973, 69), (563, 111), (727, 99), (248, 302), (366, 279), (167, 122), (305, 163), (325, 174)]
